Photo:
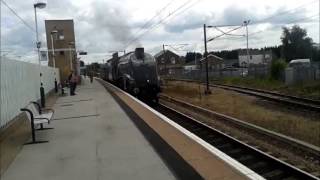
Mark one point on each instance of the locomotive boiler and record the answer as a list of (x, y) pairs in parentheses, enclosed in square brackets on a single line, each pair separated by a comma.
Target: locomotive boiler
[(134, 72)]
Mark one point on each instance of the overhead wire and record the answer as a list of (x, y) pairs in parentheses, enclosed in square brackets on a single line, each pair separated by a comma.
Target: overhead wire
[(154, 25), (291, 22), (282, 13), (158, 23), (18, 16), (152, 18)]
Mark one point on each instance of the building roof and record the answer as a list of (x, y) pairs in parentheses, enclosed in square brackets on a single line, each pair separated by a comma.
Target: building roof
[(300, 61), (213, 57), (162, 52)]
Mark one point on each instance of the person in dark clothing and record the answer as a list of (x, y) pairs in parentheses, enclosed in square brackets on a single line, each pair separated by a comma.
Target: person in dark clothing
[(91, 76), (73, 83)]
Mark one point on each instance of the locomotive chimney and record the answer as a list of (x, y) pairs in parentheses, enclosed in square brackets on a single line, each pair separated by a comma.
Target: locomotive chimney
[(115, 55), (139, 52)]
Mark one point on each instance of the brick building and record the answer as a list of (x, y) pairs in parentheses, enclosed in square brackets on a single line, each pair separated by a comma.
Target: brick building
[(63, 36)]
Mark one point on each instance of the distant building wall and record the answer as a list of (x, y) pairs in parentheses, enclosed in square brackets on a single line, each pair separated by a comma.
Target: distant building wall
[(20, 84), (255, 57), (64, 57)]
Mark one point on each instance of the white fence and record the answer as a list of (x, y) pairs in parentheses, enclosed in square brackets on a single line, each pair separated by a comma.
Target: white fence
[(20, 84)]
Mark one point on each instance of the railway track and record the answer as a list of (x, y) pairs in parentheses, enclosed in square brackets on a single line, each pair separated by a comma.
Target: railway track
[(264, 164), (308, 104)]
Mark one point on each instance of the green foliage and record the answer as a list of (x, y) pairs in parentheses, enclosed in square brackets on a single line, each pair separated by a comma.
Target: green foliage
[(295, 43), (258, 83), (226, 54), (315, 54), (277, 69), (190, 56)]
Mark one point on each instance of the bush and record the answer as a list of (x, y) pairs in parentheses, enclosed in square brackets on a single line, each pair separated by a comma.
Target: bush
[(277, 69)]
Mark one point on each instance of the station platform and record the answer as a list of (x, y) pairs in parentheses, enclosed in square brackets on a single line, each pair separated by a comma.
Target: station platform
[(94, 137)]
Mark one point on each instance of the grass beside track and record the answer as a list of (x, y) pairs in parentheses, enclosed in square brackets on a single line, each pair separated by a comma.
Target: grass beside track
[(250, 109), (307, 90)]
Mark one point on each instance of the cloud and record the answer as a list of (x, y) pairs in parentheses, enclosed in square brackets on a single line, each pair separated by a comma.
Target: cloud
[(192, 20), (105, 25), (282, 16), (114, 19)]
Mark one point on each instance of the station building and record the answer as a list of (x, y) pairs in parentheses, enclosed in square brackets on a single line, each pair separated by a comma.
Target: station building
[(61, 37)]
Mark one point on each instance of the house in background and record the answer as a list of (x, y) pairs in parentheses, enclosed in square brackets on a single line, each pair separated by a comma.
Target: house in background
[(231, 63), (255, 57), (215, 63), (168, 62)]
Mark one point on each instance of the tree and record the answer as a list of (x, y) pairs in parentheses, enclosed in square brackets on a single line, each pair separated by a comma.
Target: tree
[(295, 43), (226, 54), (81, 64), (277, 69), (190, 56)]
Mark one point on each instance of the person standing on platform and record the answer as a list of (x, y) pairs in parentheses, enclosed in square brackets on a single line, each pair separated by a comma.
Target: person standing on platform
[(69, 79), (91, 76), (73, 79)]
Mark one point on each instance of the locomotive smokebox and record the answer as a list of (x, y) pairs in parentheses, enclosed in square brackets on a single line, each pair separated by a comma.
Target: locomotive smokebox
[(139, 52)]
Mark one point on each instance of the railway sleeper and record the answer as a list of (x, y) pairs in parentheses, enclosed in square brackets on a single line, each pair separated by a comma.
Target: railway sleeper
[(197, 130), (235, 152), (247, 159), (216, 140), (224, 146), (265, 170), (289, 178), (207, 136), (256, 166), (275, 174)]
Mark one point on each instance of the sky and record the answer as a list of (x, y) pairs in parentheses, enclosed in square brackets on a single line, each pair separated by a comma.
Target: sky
[(103, 26)]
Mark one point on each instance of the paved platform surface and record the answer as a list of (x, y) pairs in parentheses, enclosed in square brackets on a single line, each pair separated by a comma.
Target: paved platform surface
[(92, 139)]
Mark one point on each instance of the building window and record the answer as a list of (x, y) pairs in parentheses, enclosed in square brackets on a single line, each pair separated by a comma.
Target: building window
[(61, 53), (250, 56), (162, 60), (173, 60), (60, 35)]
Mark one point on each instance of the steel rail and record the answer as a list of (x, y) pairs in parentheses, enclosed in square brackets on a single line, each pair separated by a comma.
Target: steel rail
[(309, 104), (262, 163)]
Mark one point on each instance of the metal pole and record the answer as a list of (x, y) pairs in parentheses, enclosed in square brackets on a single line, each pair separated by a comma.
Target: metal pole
[(53, 53), (248, 59), (42, 96), (54, 64), (165, 59), (195, 59), (70, 58), (206, 58), (37, 35)]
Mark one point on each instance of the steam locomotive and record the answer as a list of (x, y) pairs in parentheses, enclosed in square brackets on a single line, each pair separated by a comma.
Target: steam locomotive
[(134, 72)]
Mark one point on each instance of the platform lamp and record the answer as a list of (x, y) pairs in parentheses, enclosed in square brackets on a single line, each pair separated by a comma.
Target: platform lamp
[(39, 5), (70, 50), (53, 32)]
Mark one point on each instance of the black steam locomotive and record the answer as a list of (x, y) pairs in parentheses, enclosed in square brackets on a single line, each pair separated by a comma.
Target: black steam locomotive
[(134, 72)]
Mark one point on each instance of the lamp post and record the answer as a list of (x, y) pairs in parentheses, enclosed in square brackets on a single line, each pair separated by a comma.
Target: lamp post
[(54, 59), (39, 5), (71, 64), (247, 36), (206, 59), (165, 59)]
